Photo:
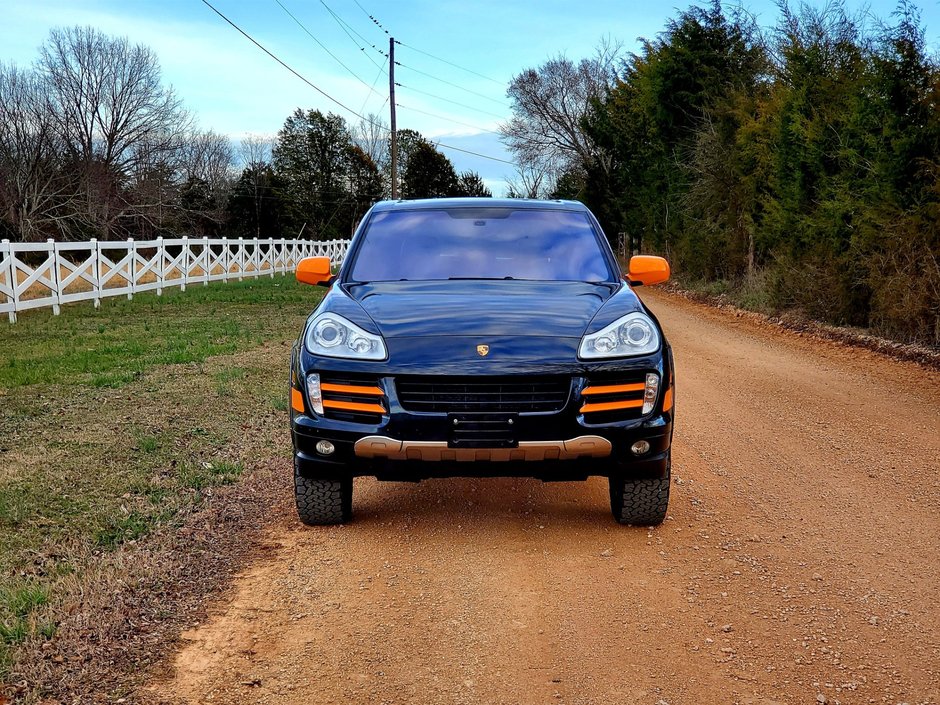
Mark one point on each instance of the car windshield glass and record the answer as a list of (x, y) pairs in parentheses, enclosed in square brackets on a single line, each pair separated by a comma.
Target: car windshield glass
[(480, 243)]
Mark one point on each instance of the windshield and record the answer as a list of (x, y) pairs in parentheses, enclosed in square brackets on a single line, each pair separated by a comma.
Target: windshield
[(480, 243)]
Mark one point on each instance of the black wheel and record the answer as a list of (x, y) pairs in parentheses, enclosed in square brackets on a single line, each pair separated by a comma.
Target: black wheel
[(322, 501), (640, 502)]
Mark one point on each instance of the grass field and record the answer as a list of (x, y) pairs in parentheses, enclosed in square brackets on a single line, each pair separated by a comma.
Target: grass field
[(117, 423)]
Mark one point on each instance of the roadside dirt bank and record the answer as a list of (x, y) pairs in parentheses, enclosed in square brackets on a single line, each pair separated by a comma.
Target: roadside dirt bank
[(798, 564), (853, 337)]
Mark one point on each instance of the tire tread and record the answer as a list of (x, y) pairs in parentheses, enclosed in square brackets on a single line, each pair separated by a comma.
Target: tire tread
[(321, 502), (639, 502)]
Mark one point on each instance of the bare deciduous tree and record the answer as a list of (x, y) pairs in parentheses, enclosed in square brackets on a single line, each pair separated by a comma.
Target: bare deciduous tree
[(108, 100), (531, 181), (256, 155), (371, 136), (35, 198), (209, 156), (549, 104), (254, 151)]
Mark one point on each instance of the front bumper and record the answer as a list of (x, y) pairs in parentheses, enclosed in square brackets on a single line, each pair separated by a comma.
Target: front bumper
[(408, 446), (405, 444)]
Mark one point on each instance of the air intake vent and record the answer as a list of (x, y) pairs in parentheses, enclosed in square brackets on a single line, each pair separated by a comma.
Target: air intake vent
[(352, 399), (614, 399)]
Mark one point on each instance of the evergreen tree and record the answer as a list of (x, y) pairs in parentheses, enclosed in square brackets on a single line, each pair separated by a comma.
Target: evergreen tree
[(429, 174)]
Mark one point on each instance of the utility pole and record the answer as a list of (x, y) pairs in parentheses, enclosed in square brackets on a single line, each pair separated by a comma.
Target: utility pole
[(391, 102)]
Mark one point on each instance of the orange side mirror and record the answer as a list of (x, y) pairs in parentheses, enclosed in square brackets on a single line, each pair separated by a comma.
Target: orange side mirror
[(647, 269), (314, 270)]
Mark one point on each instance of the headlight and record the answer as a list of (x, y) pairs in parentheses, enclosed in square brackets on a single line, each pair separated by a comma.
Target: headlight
[(334, 336), (634, 334)]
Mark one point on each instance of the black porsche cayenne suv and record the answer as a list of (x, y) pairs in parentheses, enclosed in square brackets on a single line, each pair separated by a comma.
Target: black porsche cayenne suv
[(481, 337)]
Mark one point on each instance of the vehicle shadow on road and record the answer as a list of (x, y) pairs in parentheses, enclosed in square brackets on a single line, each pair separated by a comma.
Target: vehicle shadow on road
[(490, 502)]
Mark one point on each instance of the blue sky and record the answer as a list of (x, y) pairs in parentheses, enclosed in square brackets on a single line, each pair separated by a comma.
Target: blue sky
[(236, 89)]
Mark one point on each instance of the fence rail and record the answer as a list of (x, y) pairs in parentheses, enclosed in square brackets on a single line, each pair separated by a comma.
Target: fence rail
[(42, 274)]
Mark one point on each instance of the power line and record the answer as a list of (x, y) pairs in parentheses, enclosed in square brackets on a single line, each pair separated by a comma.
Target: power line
[(448, 100), (298, 75), (369, 95), (476, 154), (377, 23), (343, 25), (449, 63), (442, 117), (322, 46), (384, 103), (327, 95), (451, 83)]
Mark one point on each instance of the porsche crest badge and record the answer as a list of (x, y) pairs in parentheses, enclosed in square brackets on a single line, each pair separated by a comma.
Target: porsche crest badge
[(483, 350)]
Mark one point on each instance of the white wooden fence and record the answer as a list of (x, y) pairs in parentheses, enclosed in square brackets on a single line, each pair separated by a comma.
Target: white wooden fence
[(81, 271)]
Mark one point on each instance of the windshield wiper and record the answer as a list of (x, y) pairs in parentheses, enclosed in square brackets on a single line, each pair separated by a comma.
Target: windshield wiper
[(486, 279)]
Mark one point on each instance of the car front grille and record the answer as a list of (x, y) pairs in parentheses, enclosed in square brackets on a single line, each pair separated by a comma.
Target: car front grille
[(483, 394)]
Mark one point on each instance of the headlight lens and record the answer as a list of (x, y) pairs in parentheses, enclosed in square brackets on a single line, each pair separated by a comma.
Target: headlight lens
[(331, 335), (634, 334), (328, 333)]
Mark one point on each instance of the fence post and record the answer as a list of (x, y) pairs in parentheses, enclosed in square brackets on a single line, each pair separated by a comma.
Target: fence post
[(96, 273), (132, 263), (16, 291), (9, 273), (271, 259), (54, 273), (224, 258), (256, 258), (241, 258), (206, 269), (184, 255), (161, 254)]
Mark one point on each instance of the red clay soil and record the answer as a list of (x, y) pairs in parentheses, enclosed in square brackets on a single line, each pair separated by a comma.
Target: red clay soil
[(798, 563)]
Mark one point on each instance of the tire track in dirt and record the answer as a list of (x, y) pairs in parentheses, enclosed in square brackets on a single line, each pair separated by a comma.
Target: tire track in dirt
[(798, 560)]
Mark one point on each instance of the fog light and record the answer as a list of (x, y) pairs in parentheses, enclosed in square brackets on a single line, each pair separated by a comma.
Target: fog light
[(327, 448), (638, 448)]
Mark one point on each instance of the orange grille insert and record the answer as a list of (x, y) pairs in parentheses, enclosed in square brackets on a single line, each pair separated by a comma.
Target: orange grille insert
[(351, 389), (612, 406), (353, 406), (613, 389)]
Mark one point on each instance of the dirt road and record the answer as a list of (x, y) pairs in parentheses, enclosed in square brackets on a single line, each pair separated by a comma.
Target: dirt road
[(799, 563)]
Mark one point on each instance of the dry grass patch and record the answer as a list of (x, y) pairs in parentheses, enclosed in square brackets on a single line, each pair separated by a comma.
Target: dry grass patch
[(112, 495)]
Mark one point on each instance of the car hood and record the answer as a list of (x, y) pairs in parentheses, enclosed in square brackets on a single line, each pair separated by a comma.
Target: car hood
[(481, 307)]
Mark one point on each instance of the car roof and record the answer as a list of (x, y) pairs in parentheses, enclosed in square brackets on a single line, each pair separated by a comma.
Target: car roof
[(515, 203)]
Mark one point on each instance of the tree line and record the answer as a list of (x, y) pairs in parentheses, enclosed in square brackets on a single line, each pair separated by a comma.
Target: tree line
[(319, 176), (94, 145), (795, 167)]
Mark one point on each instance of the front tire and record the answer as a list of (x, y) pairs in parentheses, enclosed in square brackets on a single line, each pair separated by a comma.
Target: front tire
[(321, 502), (640, 502)]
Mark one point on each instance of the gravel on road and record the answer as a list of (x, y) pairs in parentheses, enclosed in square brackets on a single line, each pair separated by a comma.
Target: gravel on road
[(798, 562)]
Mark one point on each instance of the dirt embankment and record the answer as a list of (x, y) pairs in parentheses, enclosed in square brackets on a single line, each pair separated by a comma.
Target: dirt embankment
[(798, 563)]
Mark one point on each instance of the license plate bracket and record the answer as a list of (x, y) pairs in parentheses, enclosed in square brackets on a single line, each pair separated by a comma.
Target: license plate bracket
[(482, 430)]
